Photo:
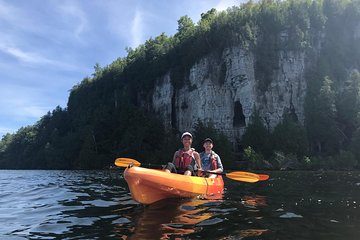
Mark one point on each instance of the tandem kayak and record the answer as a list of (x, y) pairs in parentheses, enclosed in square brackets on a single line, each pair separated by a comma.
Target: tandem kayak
[(151, 185)]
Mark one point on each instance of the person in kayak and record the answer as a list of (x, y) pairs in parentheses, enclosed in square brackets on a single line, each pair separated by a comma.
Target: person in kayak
[(186, 160), (210, 161)]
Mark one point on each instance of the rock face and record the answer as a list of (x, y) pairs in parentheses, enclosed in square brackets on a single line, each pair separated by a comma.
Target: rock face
[(222, 89)]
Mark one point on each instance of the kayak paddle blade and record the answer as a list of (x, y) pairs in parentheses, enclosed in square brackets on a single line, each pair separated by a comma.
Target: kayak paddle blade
[(263, 177), (125, 162), (243, 176)]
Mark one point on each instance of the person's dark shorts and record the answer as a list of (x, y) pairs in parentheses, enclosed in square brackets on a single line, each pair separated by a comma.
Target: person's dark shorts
[(171, 167)]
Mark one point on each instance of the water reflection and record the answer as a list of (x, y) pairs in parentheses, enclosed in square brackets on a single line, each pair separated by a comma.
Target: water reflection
[(254, 201), (169, 217), (185, 218)]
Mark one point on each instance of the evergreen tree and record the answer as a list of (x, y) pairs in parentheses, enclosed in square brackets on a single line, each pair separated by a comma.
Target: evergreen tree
[(348, 105), (257, 135), (355, 149), (321, 120), (289, 137)]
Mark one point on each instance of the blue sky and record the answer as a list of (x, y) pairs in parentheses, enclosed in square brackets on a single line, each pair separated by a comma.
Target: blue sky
[(46, 47)]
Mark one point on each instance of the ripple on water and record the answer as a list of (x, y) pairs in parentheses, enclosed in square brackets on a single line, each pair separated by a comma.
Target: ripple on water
[(92, 205), (210, 222), (49, 203), (290, 215), (222, 210), (121, 221), (100, 203)]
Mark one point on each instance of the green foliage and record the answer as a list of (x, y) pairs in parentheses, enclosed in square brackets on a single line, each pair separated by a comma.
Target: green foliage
[(23, 139), (284, 161), (186, 29), (307, 162), (254, 159), (345, 161), (290, 137), (354, 146), (5, 142), (257, 136), (348, 107), (312, 162), (321, 120)]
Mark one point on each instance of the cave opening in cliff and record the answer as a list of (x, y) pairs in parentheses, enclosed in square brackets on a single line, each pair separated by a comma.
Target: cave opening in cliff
[(173, 111), (239, 117)]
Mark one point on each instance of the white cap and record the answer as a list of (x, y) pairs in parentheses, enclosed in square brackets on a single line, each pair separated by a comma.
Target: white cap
[(186, 134)]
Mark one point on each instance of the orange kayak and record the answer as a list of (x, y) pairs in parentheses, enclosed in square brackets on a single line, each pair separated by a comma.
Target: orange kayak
[(150, 185)]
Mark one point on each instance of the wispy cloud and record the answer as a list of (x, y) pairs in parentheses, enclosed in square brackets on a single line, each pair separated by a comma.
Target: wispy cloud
[(75, 17), (34, 59), (120, 20), (35, 41), (23, 56), (137, 29)]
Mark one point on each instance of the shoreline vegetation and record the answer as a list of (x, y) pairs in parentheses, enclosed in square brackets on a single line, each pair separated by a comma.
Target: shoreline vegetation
[(104, 118)]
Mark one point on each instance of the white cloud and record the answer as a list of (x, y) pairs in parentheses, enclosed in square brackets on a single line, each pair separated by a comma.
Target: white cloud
[(34, 59), (118, 17), (74, 17), (23, 56), (224, 4), (137, 29)]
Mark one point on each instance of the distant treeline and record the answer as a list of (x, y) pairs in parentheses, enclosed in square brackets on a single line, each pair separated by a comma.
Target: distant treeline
[(106, 118)]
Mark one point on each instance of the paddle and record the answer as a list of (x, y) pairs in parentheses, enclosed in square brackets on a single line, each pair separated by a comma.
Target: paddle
[(237, 176)]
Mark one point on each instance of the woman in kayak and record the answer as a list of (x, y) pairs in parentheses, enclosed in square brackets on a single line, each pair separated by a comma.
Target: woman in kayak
[(186, 160), (210, 161)]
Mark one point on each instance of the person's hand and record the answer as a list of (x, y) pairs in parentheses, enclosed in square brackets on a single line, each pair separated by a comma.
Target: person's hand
[(200, 172)]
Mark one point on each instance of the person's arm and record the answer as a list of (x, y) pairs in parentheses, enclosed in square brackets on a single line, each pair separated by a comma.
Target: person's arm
[(220, 167), (199, 169), (174, 157), (198, 160)]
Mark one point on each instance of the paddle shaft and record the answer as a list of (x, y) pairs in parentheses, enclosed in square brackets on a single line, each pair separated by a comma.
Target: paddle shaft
[(238, 176)]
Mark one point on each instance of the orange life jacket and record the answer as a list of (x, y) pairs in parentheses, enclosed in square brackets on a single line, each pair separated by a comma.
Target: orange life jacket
[(183, 159)]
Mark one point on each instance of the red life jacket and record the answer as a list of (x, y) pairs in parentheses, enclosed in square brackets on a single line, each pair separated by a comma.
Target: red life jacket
[(183, 159), (213, 162)]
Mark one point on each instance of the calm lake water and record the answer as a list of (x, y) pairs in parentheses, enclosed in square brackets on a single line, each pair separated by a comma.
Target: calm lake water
[(97, 205)]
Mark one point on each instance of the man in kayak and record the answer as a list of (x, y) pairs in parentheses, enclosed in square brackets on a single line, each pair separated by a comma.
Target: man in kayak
[(186, 160), (210, 161)]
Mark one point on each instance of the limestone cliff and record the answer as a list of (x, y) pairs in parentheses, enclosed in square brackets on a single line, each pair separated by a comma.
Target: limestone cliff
[(222, 89)]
